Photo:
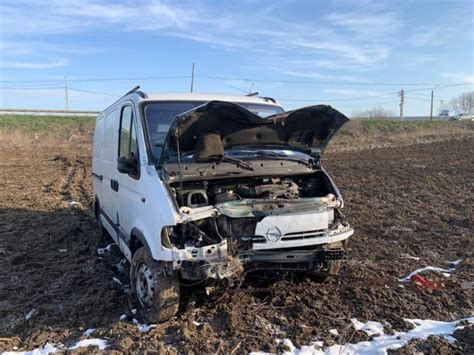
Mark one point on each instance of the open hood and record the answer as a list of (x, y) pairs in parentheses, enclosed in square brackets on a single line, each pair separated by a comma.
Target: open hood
[(219, 125)]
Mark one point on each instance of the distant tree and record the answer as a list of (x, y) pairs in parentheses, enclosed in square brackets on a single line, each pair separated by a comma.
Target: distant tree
[(375, 113), (463, 103)]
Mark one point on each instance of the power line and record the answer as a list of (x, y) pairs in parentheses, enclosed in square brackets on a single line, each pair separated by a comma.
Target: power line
[(31, 88), (427, 95), (331, 82), (93, 92), (224, 78), (331, 100), (374, 103), (100, 79), (59, 94)]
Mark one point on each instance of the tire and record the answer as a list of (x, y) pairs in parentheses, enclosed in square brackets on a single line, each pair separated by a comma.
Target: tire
[(156, 290)]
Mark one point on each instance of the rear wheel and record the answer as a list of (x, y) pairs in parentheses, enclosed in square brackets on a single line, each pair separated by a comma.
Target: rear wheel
[(156, 289)]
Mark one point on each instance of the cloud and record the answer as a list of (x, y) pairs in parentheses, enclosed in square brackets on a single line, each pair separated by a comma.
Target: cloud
[(429, 36), (259, 31), (309, 74), (33, 65), (368, 21)]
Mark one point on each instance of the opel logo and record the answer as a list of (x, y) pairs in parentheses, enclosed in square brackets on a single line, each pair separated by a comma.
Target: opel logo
[(273, 234)]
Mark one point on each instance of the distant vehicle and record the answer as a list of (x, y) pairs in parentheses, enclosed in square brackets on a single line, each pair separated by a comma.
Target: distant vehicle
[(191, 188), (465, 116), (444, 114)]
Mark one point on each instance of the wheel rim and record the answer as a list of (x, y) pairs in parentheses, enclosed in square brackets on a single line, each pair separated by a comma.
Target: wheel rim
[(144, 285)]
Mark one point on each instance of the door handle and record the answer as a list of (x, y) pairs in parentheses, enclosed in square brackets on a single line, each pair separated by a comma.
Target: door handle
[(100, 177), (114, 185)]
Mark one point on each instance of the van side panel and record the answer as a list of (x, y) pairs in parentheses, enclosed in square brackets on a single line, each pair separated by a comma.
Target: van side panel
[(109, 153), (146, 206), (96, 157)]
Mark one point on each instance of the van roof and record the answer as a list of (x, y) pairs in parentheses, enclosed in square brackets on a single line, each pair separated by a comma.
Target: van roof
[(139, 96), (210, 97)]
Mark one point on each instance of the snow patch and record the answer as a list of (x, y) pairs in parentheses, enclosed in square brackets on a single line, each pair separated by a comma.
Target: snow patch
[(30, 314), (371, 328), (114, 279), (51, 348), (107, 249), (455, 262), (89, 332), (412, 257), (143, 328), (47, 349), (100, 343), (73, 203), (333, 332), (381, 343), (315, 347)]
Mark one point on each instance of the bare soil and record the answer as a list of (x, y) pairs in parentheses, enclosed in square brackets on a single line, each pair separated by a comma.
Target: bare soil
[(411, 201)]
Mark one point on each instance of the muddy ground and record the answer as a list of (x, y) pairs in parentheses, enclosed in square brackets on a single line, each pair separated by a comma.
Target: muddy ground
[(403, 202)]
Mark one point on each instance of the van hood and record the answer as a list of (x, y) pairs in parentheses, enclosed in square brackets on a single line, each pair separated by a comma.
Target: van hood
[(308, 129)]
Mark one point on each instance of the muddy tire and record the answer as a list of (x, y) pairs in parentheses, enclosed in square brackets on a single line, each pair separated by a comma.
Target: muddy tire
[(156, 290), (331, 270)]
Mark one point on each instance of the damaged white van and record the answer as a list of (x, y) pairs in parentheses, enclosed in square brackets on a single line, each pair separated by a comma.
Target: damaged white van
[(195, 187)]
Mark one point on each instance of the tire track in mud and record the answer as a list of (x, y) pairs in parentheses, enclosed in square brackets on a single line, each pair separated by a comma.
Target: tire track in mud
[(73, 188)]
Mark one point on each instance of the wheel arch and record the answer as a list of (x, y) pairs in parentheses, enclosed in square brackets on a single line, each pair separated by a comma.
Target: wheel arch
[(138, 240)]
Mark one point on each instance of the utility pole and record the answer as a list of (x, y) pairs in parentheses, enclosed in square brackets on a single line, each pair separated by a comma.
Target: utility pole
[(192, 78), (431, 111), (66, 94), (402, 100)]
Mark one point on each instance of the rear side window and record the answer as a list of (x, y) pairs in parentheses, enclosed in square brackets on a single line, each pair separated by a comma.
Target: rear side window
[(109, 147), (98, 137), (128, 146)]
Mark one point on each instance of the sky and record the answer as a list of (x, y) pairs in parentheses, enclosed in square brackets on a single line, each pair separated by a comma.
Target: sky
[(352, 54)]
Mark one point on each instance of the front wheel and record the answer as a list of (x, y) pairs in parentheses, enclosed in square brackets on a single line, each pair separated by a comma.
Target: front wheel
[(156, 289)]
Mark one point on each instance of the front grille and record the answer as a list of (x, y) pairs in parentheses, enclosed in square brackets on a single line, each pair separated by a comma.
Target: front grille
[(259, 239), (305, 235)]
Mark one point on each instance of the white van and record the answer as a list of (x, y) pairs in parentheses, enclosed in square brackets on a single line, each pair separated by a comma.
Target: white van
[(195, 187)]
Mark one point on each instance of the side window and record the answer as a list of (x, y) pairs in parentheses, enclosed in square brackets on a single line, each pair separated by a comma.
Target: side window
[(128, 147)]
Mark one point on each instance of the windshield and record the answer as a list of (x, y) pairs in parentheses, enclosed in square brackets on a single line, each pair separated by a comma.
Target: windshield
[(158, 116)]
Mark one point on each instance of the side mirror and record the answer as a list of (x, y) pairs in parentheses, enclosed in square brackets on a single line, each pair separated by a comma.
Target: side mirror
[(127, 165)]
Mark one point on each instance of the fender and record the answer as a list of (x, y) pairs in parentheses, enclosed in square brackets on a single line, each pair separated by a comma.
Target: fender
[(137, 234)]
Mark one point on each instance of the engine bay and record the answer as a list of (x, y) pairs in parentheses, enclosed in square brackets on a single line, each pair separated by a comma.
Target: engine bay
[(266, 194)]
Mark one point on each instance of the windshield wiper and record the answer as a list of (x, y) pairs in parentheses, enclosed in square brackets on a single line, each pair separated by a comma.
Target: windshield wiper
[(238, 162), (276, 156)]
